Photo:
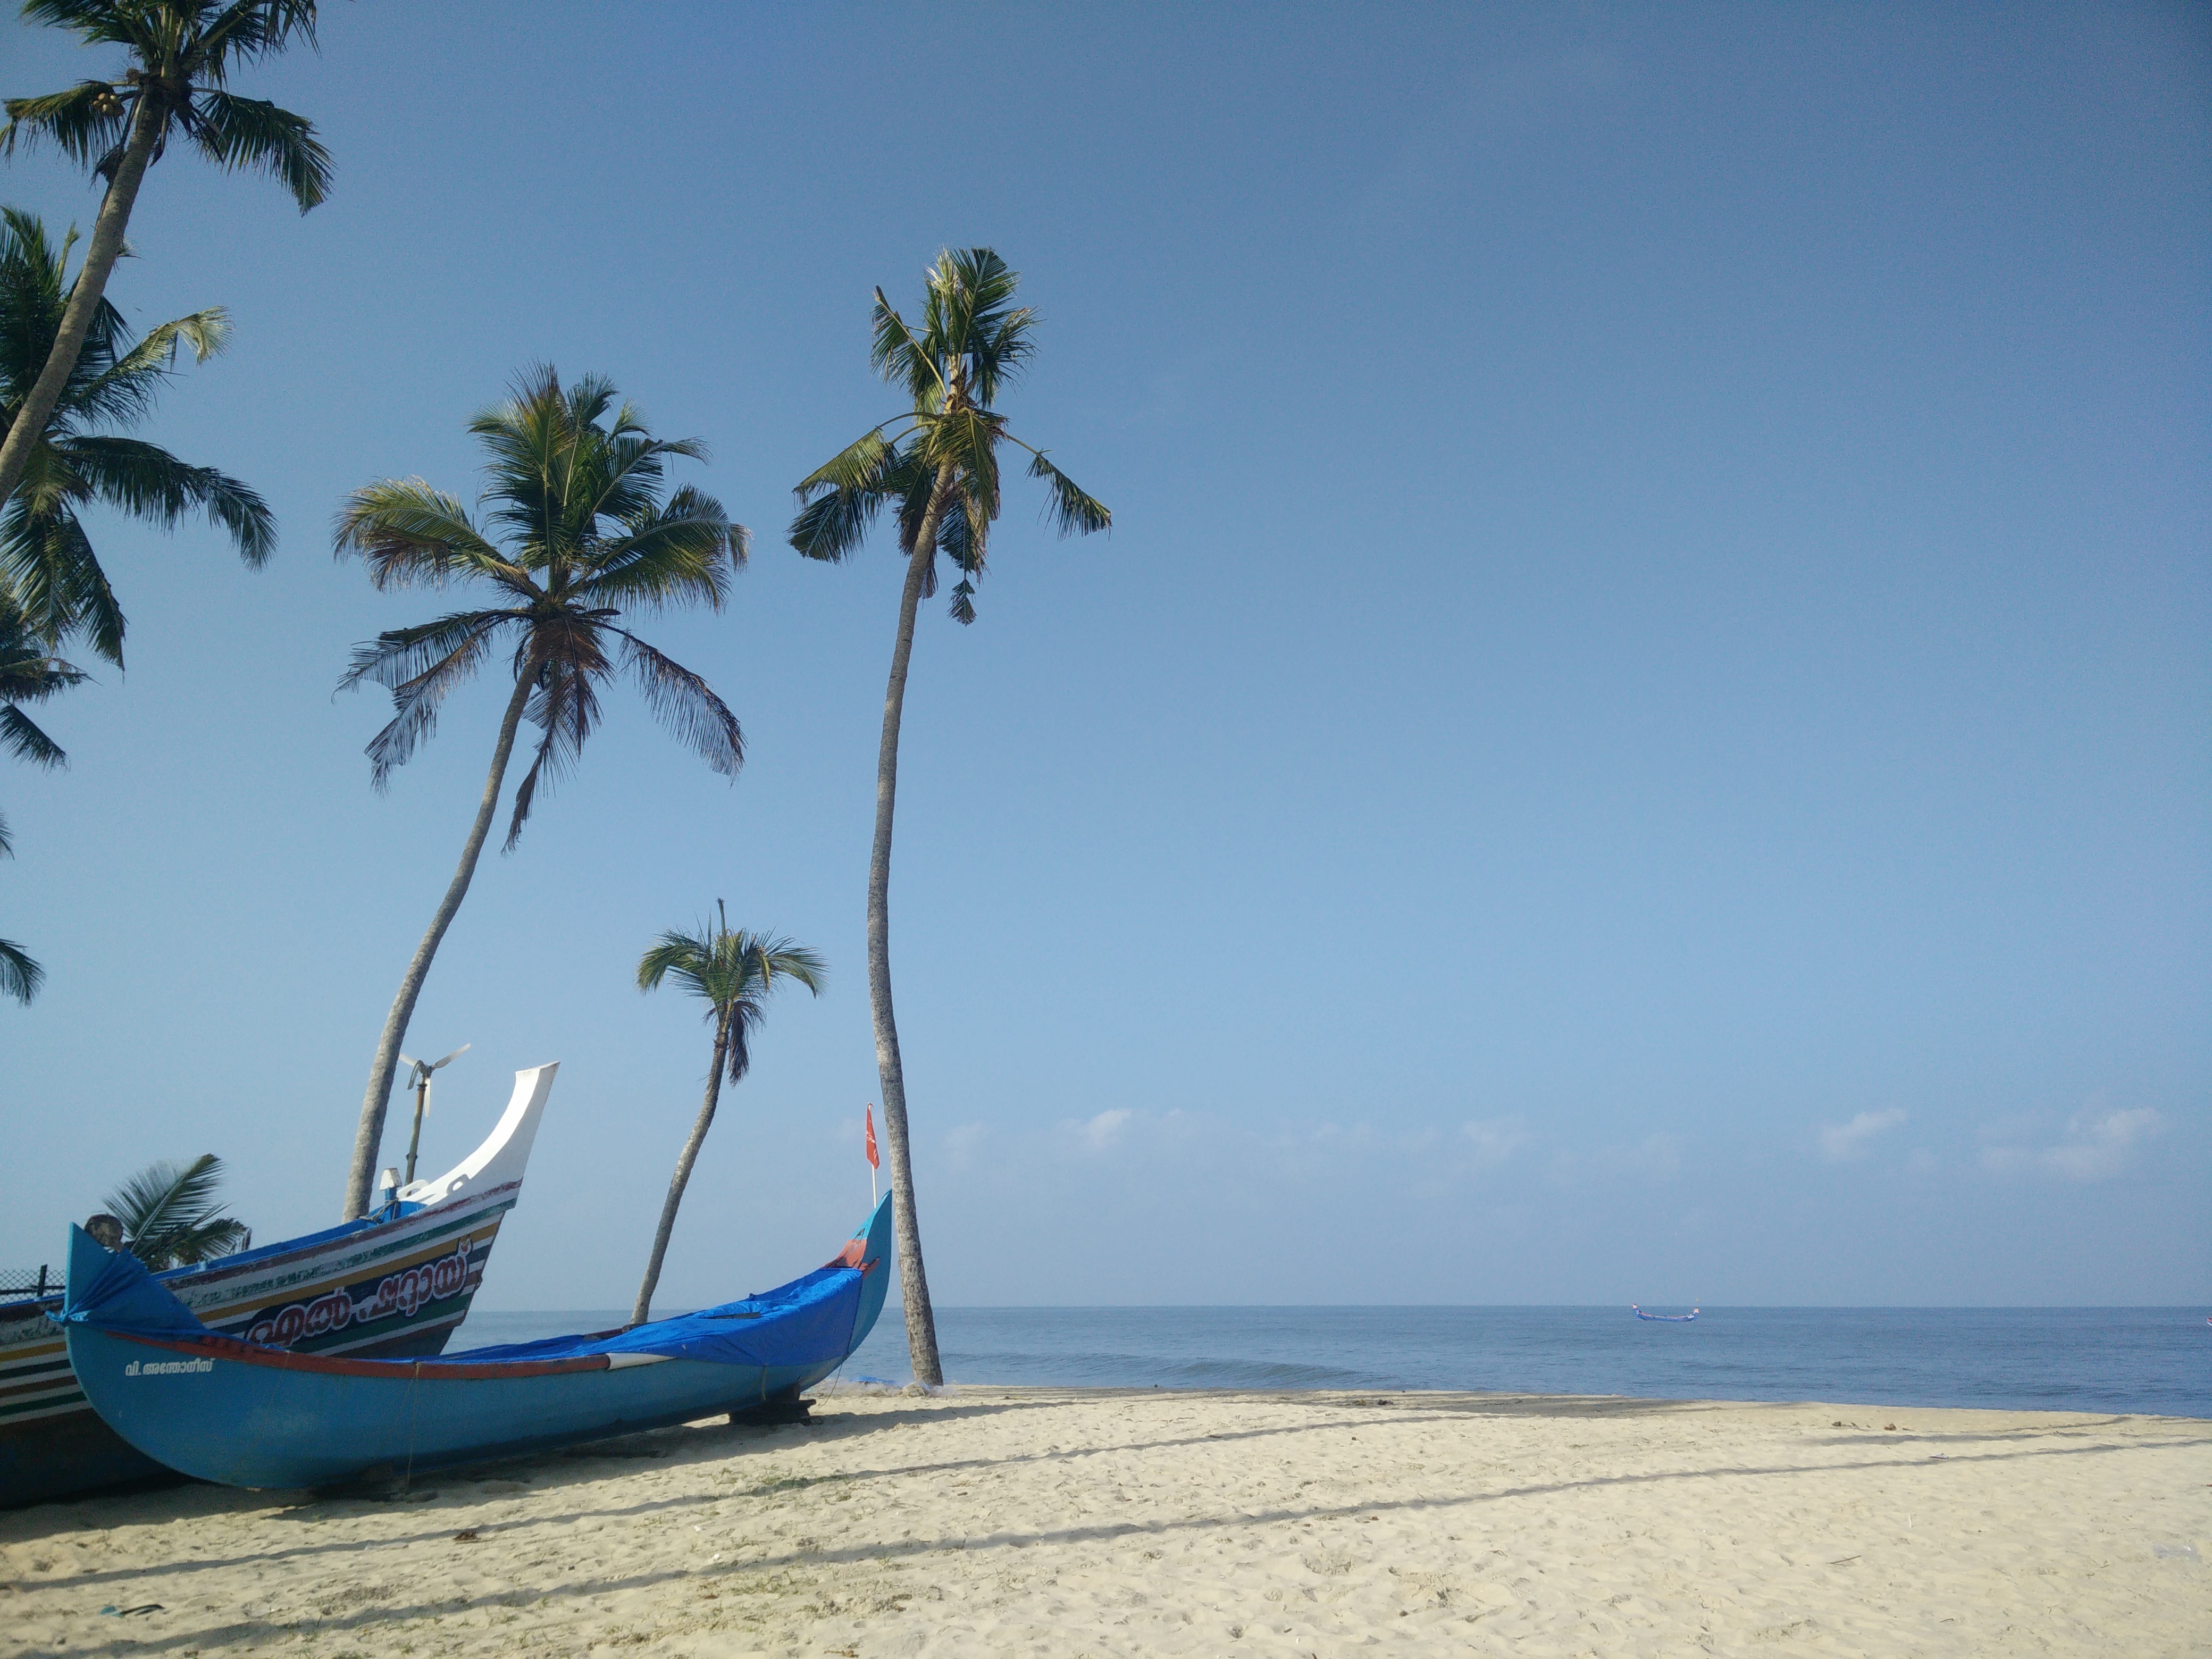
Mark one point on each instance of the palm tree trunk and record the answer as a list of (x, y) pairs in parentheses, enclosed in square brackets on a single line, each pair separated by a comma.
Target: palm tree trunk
[(682, 1178), (914, 1286), (107, 245), (369, 1139)]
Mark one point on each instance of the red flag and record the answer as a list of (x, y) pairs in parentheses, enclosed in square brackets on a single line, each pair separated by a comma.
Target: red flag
[(874, 1163)]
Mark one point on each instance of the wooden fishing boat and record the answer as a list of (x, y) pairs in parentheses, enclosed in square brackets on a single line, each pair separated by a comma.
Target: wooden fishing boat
[(399, 1281), (245, 1414)]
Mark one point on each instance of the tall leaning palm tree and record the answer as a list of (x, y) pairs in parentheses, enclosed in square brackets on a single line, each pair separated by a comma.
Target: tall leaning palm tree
[(937, 464), (46, 558), (577, 493), (181, 53), (28, 674), (734, 973)]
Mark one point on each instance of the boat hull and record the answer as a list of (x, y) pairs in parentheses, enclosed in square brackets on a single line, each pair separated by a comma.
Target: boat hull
[(391, 1288), (230, 1411)]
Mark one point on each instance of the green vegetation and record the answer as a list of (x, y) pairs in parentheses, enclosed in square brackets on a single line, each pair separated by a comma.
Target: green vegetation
[(28, 673), (47, 558), (181, 54), (734, 972), (938, 464), (577, 492), (171, 1217)]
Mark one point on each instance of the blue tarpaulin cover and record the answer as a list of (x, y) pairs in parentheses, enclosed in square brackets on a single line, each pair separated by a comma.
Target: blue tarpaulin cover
[(118, 1294), (808, 1319)]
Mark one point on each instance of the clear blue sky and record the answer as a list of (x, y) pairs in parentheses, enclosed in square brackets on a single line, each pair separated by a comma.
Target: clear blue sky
[(1642, 731)]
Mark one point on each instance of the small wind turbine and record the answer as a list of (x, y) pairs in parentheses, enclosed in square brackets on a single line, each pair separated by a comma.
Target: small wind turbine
[(422, 1070)]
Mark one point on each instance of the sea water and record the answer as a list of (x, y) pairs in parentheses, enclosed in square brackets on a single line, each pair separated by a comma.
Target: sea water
[(2067, 1360)]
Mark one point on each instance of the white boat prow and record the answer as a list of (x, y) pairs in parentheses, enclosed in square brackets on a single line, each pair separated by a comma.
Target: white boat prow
[(506, 1149)]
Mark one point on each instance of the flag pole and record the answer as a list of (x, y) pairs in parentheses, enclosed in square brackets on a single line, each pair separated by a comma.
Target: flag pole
[(869, 1146)]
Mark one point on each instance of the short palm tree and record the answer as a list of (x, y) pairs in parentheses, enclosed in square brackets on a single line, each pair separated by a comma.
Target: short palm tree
[(28, 674), (46, 556), (589, 534), (734, 973), (181, 53), (938, 464), (171, 1217)]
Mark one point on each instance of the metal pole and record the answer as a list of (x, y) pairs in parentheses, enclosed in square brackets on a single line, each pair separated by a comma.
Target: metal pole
[(421, 1094)]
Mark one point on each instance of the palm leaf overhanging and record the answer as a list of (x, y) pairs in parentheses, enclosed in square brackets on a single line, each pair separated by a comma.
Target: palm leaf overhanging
[(171, 1216), (182, 54), (574, 492), (28, 673), (47, 563)]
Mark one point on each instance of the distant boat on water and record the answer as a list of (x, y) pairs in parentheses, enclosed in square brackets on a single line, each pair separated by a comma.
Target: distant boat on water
[(248, 1415), (398, 1281), (1671, 1319)]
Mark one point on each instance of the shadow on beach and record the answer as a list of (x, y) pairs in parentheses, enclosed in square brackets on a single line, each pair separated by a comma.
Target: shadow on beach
[(291, 1518)]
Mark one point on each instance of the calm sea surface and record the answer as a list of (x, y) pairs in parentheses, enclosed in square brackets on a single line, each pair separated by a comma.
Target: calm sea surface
[(2074, 1359)]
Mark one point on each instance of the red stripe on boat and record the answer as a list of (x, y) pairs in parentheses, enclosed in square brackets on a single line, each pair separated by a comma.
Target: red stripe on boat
[(430, 1371)]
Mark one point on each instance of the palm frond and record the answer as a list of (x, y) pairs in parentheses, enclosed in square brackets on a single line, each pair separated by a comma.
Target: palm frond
[(170, 1213), (148, 482), (420, 665), (34, 293), (20, 976), (48, 560), (121, 389), (629, 470), (843, 496), (565, 708), (969, 440), (684, 551), (408, 534), (671, 953), (27, 673), (1068, 506), (21, 737), (248, 29), (686, 705), (981, 322), (253, 134), (895, 354), (85, 123)]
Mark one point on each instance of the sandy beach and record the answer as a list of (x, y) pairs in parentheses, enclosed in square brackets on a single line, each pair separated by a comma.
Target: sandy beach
[(1063, 1521)]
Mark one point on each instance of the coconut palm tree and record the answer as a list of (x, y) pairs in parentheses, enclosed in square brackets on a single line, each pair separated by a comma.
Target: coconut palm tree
[(938, 464), (171, 1217), (181, 53), (28, 674), (576, 492), (46, 556), (734, 972)]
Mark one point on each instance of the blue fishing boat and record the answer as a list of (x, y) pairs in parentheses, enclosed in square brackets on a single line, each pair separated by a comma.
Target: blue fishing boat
[(398, 1281), (247, 1414)]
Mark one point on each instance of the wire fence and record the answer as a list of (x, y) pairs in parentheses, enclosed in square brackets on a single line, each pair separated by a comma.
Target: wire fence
[(41, 1280)]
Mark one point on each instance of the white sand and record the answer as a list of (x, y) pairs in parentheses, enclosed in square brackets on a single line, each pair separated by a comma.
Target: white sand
[(1078, 1522)]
